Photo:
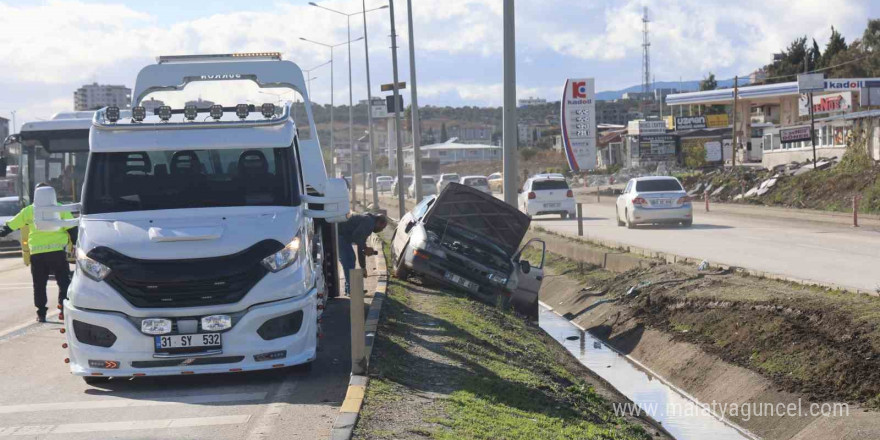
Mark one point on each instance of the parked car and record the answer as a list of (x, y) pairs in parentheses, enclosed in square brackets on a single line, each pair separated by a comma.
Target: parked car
[(9, 207), (496, 182), (429, 187), (384, 183), (656, 199), (446, 179), (478, 182), (441, 239), (407, 181), (544, 194)]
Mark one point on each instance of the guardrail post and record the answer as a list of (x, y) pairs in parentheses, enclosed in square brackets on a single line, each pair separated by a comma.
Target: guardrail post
[(358, 335), (598, 194), (856, 199), (706, 198), (580, 220)]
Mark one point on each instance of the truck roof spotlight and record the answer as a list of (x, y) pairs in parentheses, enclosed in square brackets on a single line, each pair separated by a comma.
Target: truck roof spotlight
[(268, 110), (216, 112), (138, 114), (164, 113), (190, 112), (242, 111), (112, 114)]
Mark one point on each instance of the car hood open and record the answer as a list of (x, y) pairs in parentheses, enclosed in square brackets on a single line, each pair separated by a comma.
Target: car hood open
[(482, 214)]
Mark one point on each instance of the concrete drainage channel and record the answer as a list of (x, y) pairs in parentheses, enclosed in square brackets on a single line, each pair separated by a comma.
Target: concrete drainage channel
[(680, 414)]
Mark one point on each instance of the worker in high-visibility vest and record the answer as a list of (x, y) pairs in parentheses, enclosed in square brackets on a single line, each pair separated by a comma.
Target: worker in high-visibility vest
[(48, 256)]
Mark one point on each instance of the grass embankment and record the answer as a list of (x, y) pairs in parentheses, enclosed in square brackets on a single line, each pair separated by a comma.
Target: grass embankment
[(448, 367), (805, 339)]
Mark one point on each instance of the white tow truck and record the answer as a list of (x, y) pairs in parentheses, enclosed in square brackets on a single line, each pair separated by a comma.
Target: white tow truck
[(206, 235)]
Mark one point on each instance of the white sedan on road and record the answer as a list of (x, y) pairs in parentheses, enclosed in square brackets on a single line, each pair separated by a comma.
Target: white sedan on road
[(656, 199), (476, 182), (9, 207), (383, 183), (544, 194)]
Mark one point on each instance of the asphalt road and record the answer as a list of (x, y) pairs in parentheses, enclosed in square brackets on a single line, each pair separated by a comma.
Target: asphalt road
[(40, 399), (808, 250)]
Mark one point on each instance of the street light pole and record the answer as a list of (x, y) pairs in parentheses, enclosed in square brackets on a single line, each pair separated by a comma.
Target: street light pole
[(370, 112), (401, 200), (416, 130), (510, 166)]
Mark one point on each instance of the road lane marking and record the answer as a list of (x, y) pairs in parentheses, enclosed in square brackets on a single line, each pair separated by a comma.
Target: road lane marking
[(132, 425), (133, 403), (269, 419), (9, 331)]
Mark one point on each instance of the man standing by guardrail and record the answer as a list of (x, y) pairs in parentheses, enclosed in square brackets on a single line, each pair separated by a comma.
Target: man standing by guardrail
[(48, 256)]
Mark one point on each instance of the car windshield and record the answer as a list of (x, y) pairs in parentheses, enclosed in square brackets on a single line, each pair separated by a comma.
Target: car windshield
[(428, 180), (539, 185), (142, 181), (657, 185), (8, 208), (476, 181)]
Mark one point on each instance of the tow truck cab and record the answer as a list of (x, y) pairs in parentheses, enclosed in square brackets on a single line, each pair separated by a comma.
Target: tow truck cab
[(206, 235)]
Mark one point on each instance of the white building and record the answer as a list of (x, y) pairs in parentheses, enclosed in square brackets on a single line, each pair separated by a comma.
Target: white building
[(151, 104), (452, 151), (531, 101), (95, 96)]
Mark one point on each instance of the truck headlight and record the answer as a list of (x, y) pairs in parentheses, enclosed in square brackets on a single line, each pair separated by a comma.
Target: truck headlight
[(156, 326), (215, 323), (90, 267), (285, 257)]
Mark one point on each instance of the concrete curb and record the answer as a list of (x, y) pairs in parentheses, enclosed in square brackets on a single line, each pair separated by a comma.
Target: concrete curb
[(567, 246), (343, 427)]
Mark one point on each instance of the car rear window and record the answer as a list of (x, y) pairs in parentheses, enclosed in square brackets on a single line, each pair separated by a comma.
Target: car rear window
[(477, 181), (539, 185), (658, 185)]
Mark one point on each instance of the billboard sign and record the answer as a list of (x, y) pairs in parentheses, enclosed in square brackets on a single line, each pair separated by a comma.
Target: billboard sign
[(690, 122), (823, 104), (656, 146), (578, 121), (713, 151), (796, 134), (717, 121), (850, 84), (811, 82)]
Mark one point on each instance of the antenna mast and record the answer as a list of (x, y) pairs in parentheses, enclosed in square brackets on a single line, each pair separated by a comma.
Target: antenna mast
[(646, 60)]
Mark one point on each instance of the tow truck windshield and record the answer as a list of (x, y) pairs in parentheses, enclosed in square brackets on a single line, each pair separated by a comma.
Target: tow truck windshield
[(152, 180)]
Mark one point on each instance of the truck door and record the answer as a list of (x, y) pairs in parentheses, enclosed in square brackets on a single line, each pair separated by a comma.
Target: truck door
[(530, 275)]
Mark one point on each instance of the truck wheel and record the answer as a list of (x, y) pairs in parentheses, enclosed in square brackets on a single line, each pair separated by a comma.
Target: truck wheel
[(400, 270), (95, 380)]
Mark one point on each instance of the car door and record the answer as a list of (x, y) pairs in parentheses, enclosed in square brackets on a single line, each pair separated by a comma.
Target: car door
[(621, 200), (530, 276)]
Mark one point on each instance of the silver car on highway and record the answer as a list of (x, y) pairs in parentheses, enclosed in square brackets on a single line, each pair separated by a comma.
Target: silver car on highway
[(655, 199)]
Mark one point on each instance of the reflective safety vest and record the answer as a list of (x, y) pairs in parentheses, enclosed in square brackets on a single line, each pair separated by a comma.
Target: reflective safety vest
[(40, 242)]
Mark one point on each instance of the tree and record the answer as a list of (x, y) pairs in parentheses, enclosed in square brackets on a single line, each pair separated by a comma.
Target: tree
[(443, 135), (836, 45), (709, 83), (789, 63), (815, 58)]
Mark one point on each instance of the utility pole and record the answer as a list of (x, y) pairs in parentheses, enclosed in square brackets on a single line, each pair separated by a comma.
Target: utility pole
[(13, 124), (510, 167), (350, 115), (416, 130), (370, 112), (401, 187), (735, 137)]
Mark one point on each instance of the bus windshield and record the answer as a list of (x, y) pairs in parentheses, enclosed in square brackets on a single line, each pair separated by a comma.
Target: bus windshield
[(143, 181)]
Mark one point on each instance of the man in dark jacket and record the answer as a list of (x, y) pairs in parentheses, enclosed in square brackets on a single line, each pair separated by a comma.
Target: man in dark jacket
[(355, 231)]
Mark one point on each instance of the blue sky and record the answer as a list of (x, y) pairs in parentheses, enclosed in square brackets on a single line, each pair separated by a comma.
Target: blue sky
[(53, 46)]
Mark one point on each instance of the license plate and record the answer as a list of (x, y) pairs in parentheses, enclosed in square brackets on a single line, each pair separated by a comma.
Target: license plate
[(662, 202), (552, 205), (460, 281), (203, 340)]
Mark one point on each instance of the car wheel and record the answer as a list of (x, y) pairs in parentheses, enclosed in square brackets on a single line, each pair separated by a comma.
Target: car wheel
[(687, 223), (617, 217), (400, 270), (95, 380), (564, 215), (629, 223)]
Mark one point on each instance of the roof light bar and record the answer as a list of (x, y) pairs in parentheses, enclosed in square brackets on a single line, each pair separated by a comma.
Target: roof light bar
[(112, 114), (190, 112), (242, 111), (268, 110), (164, 113), (216, 112), (208, 57), (138, 114)]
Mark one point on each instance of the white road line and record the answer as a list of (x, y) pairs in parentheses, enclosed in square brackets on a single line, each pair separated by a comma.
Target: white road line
[(8, 331), (266, 423), (132, 403), (73, 428)]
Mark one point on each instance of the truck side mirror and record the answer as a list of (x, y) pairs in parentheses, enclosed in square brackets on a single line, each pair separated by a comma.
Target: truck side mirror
[(47, 212), (333, 206)]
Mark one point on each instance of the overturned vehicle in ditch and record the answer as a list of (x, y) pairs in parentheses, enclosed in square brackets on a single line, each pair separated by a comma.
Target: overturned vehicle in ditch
[(469, 240)]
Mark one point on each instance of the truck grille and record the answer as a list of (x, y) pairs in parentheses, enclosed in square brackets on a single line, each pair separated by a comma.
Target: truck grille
[(186, 283)]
